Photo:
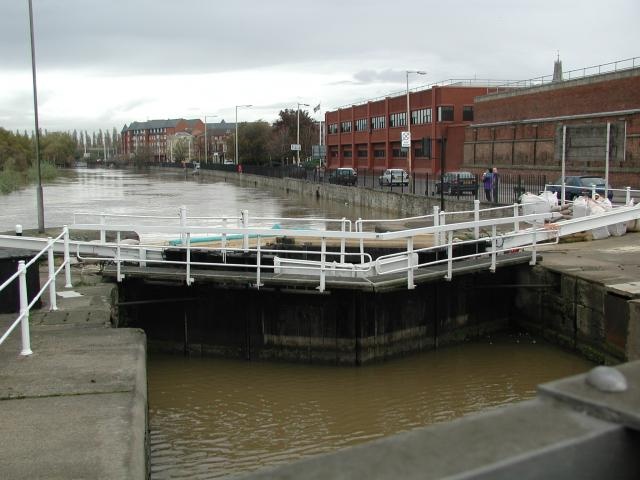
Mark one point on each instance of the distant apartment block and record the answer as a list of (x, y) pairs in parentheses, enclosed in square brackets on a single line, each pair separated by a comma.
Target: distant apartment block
[(157, 137)]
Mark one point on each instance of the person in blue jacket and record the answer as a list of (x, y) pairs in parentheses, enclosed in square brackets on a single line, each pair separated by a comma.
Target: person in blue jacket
[(487, 184)]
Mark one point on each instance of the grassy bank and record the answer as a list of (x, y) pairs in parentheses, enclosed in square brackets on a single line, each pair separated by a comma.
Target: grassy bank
[(11, 180)]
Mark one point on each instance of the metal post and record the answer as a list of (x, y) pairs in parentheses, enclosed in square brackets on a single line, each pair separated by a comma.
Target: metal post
[(39, 194), (67, 261), (143, 257), (492, 268), (410, 284), (436, 223), (359, 229), (516, 221), (476, 218), (245, 225), (103, 233), (52, 276), (442, 223), (189, 279), (628, 196), (119, 275), (258, 263), (449, 274), (533, 248), (224, 240), (24, 309), (342, 241), (564, 159), (183, 222), (606, 162), (323, 262)]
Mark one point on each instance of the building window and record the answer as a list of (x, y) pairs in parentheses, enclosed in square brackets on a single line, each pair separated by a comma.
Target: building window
[(445, 114), (345, 127), (361, 125), (347, 153), (419, 117), (333, 128), (398, 152), (377, 123), (467, 114), (398, 119), (362, 154), (379, 151)]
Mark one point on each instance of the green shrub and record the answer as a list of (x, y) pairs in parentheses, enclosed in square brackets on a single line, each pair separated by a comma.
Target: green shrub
[(10, 180)]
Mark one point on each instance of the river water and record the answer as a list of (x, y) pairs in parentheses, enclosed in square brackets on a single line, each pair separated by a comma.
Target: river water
[(211, 418)]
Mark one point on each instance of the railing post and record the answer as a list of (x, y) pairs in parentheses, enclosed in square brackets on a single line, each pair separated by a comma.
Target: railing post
[(436, 223), (442, 223), (67, 261), (224, 240), (323, 262), (103, 232), (52, 276), (245, 224), (342, 241), (189, 279), (628, 196), (476, 218), (119, 275), (142, 253), (516, 221), (24, 309), (449, 274), (492, 268), (533, 248), (183, 222), (410, 284), (258, 264), (359, 229)]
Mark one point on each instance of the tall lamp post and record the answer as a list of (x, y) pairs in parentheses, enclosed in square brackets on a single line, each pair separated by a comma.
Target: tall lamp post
[(206, 157), (417, 72), (298, 135), (39, 195), (238, 106)]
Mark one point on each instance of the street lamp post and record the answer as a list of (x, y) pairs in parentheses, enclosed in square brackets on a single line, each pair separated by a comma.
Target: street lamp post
[(39, 195), (298, 135), (238, 106), (417, 72), (206, 157)]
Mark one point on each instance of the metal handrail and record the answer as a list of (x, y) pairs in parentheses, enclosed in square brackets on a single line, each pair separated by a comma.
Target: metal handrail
[(50, 284)]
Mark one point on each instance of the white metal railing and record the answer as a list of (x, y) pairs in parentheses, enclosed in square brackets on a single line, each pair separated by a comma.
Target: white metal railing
[(50, 284), (322, 263), (627, 192)]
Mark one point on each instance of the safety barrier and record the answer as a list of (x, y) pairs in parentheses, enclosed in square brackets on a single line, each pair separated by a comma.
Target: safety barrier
[(50, 284)]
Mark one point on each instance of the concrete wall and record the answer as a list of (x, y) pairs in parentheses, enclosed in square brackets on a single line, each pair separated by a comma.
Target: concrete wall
[(579, 313)]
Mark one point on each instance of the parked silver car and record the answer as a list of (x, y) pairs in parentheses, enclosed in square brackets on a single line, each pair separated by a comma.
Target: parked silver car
[(394, 176)]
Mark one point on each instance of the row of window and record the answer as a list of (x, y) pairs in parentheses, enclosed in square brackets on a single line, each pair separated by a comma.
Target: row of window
[(380, 152), (418, 117)]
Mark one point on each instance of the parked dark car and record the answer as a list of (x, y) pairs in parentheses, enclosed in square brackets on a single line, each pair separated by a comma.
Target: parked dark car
[(576, 186), (343, 176), (458, 183)]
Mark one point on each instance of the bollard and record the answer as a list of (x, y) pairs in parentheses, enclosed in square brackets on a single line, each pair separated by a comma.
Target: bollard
[(18, 230), (24, 309)]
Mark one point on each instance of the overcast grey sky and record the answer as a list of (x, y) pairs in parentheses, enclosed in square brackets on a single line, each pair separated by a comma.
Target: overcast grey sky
[(106, 63)]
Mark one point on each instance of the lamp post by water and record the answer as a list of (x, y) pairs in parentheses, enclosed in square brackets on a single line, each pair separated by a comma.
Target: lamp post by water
[(40, 199), (238, 106), (298, 135), (206, 158), (417, 72)]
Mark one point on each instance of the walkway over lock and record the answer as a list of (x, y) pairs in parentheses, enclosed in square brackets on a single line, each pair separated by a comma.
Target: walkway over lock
[(362, 254)]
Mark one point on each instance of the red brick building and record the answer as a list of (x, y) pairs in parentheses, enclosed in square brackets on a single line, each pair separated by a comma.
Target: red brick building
[(368, 135), (156, 136), (522, 130)]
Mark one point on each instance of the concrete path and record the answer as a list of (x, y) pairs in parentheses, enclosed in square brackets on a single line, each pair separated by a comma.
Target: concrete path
[(77, 407)]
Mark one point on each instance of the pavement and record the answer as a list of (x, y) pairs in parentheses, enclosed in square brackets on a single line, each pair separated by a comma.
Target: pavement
[(76, 407)]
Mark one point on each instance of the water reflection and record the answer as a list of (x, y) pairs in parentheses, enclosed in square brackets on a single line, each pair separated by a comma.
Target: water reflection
[(162, 193), (211, 418)]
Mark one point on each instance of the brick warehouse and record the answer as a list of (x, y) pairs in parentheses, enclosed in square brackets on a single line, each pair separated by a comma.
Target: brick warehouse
[(522, 130), (367, 135)]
